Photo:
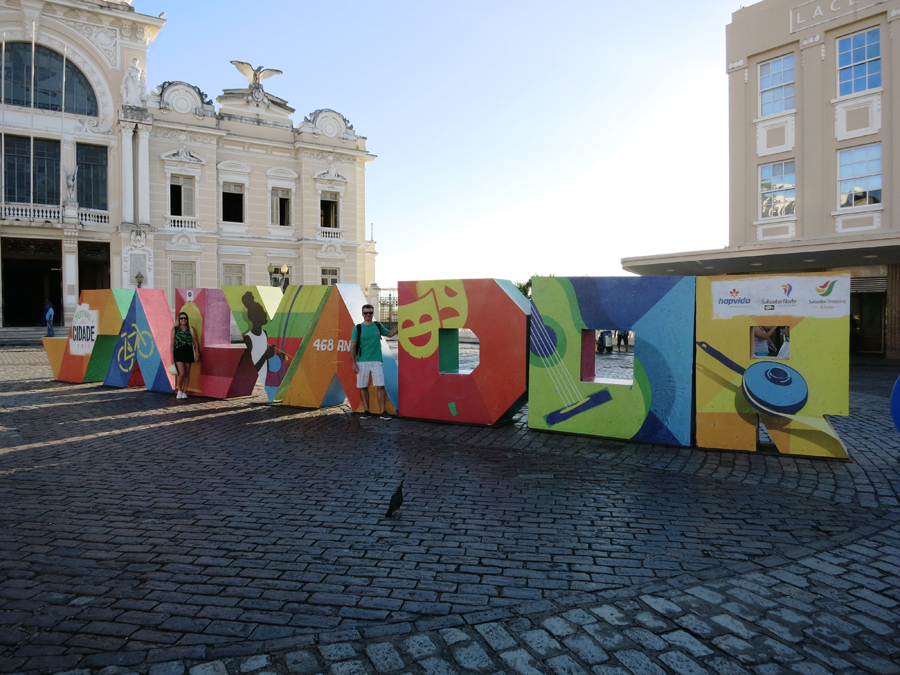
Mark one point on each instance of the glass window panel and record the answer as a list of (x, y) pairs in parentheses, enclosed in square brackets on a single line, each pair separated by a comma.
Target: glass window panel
[(873, 35), (859, 154), (776, 78), (91, 179), (777, 169), (844, 45), (765, 82), (875, 182), (874, 80), (789, 167), (764, 69), (859, 70), (875, 66), (873, 151), (846, 88), (859, 85), (859, 169), (767, 96), (873, 51), (859, 55), (788, 75), (859, 40), (778, 106), (789, 61), (79, 99), (846, 75), (873, 166), (875, 196), (767, 109), (790, 179), (844, 59), (765, 171), (789, 103)]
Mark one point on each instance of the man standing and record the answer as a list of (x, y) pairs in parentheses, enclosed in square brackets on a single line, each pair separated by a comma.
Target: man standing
[(48, 317), (365, 353)]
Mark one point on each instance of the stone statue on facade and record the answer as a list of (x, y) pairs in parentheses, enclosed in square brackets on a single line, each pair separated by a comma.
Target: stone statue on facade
[(70, 187), (134, 85)]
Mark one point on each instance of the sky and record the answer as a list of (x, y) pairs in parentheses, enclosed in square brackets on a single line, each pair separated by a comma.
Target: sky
[(512, 138)]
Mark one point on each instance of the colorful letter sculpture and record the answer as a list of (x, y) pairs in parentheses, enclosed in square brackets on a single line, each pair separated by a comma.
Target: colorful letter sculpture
[(431, 384), (564, 394), (791, 395), (84, 355), (223, 370), (321, 372), (144, 344), (253, 307)]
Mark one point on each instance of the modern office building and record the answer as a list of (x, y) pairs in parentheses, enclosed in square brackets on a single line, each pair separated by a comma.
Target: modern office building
[(814, 100), (105, 184)]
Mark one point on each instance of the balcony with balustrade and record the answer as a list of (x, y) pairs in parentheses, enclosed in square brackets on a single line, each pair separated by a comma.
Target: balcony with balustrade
[(330, 233), (183, 223)]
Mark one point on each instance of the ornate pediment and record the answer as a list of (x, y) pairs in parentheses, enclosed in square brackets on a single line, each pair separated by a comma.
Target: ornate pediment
[(331, 174), (182, 154), (328, 123)]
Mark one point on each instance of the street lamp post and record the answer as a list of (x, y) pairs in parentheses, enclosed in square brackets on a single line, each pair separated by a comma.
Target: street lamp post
[(279, 276), (138, 279)]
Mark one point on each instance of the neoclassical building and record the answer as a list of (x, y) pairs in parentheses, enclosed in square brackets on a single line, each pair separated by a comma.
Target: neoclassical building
[(105, 184), (814, 94)]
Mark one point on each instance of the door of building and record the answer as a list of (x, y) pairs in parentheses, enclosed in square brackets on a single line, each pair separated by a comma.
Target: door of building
[(867, 323), (32, 274)]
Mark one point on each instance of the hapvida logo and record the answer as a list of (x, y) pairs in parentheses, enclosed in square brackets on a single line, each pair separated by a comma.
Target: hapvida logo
[(825, 289), (734, 299), (787, 290)]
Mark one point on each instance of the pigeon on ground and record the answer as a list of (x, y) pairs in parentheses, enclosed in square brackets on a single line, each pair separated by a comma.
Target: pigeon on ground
[(396, 501)]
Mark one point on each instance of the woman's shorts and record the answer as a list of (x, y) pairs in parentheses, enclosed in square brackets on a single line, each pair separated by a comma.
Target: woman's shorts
[(184, 354)]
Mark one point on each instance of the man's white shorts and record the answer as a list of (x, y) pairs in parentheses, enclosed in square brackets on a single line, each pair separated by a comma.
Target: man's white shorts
[(366, 367)]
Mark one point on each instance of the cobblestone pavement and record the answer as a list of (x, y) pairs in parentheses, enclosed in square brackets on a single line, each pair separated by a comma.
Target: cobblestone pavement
[(143, 534)]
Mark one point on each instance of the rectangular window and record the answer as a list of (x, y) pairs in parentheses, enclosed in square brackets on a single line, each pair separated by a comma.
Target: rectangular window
[(281, 207), (329, 209), (776, 85), (232, 275), (331, 276), (859, 62), (183, 275), (181, 196), (777, 189), (91, 161), (232, 202), (17, 171), (859, 172)]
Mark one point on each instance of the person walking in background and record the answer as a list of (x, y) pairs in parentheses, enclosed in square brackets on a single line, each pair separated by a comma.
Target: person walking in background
[(365, 354), (621, 336), (48, 317), (184, 348)]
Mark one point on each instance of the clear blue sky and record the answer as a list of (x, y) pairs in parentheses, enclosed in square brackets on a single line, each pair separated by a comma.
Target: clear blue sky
[(513, 138)]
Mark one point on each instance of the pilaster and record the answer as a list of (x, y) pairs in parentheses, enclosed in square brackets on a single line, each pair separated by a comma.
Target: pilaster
[(127, 130), (143, 183)]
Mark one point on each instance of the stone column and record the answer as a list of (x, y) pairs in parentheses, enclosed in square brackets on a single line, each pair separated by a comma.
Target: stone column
[(127, 130), (892, 313), (143, 183), (69, 274)]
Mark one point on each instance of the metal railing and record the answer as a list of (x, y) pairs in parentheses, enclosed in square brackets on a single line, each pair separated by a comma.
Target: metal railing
[(388, 304)]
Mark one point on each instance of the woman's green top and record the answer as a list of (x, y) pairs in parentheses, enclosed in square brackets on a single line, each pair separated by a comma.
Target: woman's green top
[(183, 338)]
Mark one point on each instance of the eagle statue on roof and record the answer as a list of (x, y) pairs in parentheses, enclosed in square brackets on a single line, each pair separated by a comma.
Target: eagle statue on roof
[(255, 76)]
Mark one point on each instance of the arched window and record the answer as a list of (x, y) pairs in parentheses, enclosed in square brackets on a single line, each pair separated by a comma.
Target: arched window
[(48, 78)]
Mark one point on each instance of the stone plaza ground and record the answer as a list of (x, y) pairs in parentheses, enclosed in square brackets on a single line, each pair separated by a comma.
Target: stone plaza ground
[(143, 534)]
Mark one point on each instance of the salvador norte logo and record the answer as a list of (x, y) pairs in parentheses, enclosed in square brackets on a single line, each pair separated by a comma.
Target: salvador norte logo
[(825, 289), (787, 290)]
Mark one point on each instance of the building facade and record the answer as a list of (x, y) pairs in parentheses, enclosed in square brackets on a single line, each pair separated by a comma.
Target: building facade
[(106, 184), (814, 99)]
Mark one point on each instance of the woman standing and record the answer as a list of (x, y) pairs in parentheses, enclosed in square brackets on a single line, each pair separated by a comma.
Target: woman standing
[(184, 346)]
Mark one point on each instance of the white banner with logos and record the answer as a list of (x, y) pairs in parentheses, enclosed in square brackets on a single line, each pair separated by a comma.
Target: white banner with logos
[(825, 297), (84, 330)]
